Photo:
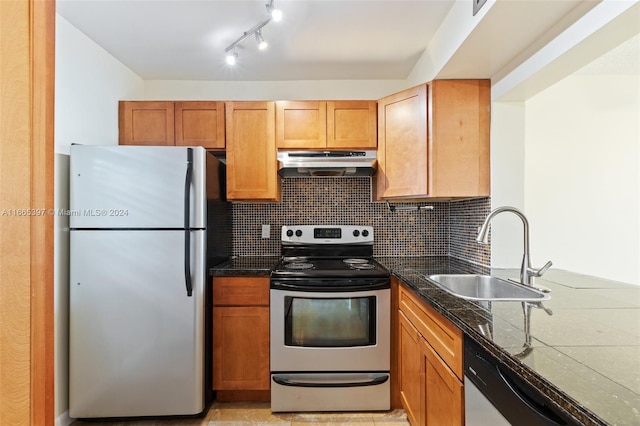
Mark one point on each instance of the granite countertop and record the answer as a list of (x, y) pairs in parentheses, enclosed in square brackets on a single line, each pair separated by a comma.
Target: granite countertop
[(245, 266), (584, 347)]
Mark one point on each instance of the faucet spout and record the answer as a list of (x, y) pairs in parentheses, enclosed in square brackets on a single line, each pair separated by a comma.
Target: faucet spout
[(526, 271)]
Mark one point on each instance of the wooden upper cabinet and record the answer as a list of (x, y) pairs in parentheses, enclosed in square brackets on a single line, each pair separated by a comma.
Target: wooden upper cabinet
[(162, 123), (326, 125), (252, 167), (459, 131), (301, 124), (352, 124), (402, 144), (433, 141), (200, 123), (146, 123)]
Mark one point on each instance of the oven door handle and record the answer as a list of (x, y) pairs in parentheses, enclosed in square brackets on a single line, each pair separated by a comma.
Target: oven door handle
[(314, 384), (293, 285)]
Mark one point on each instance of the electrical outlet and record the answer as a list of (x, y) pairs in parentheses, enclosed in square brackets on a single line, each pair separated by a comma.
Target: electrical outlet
[(266, 231)]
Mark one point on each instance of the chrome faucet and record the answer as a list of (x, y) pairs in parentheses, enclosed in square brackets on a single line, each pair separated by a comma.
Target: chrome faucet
[(526, 271)]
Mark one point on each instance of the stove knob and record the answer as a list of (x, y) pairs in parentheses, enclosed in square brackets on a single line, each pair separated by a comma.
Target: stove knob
[(356, 232), (365, 233), (289, 233), (298, 233)]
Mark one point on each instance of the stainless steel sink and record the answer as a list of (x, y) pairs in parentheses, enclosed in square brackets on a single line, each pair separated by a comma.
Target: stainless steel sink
[(486, 287)]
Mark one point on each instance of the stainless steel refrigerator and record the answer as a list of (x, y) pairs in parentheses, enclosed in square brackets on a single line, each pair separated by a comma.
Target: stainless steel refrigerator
[(145, 223)]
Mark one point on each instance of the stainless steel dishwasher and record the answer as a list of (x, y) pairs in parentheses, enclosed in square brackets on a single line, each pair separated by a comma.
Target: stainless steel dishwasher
[(495, 395)]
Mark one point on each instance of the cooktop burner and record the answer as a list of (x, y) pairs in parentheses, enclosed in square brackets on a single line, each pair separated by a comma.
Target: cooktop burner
[(298, 265), (362, 266), (355, 261)]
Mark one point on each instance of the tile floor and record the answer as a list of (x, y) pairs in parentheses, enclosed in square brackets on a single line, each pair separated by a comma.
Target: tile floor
[(259, 413)]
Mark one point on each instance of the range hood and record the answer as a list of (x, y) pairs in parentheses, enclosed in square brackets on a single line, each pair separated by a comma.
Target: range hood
[(326, 163)]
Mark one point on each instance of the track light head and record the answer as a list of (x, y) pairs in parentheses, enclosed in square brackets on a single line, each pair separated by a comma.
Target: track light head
[(231, 58), (276, 14), (262, 44)]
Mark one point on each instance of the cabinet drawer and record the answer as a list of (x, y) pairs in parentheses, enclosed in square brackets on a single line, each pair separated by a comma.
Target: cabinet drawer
[(241, 291), (442, 335)]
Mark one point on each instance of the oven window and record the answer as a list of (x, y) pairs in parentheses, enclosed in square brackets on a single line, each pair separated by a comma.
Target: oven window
[(330, 322)]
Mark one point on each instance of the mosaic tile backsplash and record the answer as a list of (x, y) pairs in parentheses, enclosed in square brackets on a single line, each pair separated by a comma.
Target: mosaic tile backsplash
[(449, 229)]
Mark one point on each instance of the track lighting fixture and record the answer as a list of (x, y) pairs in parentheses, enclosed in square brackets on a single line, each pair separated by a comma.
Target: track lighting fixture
[(275, 15), (231, 58), (260, 40)]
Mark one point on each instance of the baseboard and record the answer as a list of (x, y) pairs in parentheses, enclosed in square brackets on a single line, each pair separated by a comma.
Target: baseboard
[(64, 419)]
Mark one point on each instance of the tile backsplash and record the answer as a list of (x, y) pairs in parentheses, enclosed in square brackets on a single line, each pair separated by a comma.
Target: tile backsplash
[(448, 229)]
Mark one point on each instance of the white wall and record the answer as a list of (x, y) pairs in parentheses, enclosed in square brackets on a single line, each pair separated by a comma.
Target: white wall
[(582, 179), (89, 82), (271, 90), (507, 181)]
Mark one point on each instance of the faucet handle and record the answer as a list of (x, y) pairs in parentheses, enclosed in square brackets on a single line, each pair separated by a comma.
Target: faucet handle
[(541, 271)]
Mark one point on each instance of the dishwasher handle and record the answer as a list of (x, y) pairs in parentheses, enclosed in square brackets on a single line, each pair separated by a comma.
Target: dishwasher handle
[(542, 409)]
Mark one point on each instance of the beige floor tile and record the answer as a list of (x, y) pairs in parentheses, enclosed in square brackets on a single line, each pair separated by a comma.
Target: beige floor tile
[(243, 413), (321, 421), (259, 414)]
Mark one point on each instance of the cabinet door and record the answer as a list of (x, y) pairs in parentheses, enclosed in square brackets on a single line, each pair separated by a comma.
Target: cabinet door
[(402, 145), (301, 124), (146, 123), (241, 348), (352, 124), (200, 124), (459, 138), (252, 168), (410, 370), (443, 391)]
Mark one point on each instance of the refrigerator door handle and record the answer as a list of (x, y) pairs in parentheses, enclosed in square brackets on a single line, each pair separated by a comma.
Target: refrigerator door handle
[(187, 224)]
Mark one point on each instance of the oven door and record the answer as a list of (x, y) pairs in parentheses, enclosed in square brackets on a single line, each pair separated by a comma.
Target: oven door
[(330, 330)]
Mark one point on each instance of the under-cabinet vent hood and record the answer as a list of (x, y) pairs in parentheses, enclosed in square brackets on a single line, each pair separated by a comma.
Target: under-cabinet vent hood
[(326, 163)]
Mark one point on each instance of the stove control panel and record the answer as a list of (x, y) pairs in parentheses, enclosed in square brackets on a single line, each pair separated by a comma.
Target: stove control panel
[(327, 234)]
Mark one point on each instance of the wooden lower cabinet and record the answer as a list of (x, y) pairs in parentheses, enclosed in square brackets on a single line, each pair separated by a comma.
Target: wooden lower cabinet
[(241, 335), (443, 391), (411, 370), (430, 391)]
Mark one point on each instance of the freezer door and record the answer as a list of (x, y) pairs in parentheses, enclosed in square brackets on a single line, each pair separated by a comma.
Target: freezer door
[(135, 187), (136, 339)]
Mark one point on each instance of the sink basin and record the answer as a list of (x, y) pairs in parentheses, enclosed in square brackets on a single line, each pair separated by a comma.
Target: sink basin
[(486, 287)]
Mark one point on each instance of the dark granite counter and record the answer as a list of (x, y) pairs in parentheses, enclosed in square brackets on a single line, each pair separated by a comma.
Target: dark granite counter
[(245, 266), (583, 350)]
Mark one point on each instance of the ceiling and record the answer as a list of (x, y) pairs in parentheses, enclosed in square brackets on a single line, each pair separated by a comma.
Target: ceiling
[(316, 39)]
